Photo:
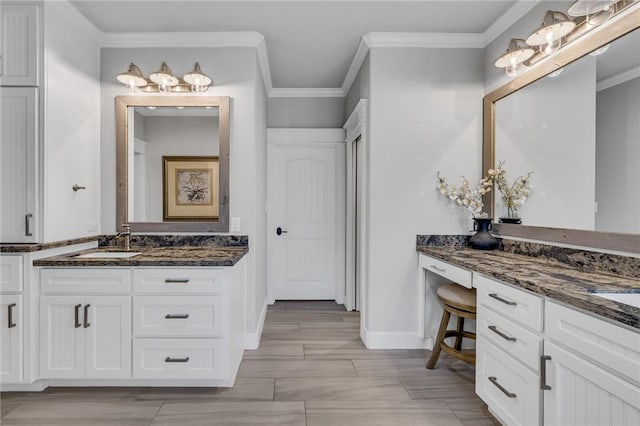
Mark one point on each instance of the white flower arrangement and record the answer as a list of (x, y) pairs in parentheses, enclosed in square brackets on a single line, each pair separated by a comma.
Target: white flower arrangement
[(471, 199), (515, 195)]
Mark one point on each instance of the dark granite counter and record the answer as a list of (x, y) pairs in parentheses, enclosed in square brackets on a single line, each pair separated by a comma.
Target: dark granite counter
[(31, 247), (546, 277), (153, 256)]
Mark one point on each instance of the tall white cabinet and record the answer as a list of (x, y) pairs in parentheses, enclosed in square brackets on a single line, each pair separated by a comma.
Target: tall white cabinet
[(19, 44)]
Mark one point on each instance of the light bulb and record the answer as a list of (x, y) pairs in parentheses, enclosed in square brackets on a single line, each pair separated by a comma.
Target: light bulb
[(514, 68), (551, 46), (595, 19), (131, 85)]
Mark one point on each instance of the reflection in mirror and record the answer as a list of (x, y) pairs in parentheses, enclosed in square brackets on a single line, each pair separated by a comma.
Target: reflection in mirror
[(172, 165), (160, 132), (579, 132)]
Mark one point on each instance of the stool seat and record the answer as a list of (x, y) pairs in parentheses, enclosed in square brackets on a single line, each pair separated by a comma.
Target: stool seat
[(460, 301)]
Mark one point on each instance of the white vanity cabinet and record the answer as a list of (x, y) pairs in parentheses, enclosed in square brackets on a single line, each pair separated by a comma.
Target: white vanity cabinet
[(11, 335), (85, 335), (19, 42)]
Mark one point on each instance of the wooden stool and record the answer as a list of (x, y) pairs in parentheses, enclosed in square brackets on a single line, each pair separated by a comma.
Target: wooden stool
[(459, 301)]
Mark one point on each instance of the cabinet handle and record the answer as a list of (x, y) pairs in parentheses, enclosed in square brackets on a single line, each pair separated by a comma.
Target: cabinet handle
[(27, 227), (86, 316), (176, 316), (176, 281), (438, 269), (501, 334), (499, 386), (10, 315), (505, 301), (77, 316), (169, 359), (543, 372)]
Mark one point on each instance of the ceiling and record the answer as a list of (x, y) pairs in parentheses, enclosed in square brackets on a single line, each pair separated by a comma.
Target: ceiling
[(310, 44)]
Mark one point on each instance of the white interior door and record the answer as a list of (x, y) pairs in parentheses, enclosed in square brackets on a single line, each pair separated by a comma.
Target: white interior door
[(305, 205)]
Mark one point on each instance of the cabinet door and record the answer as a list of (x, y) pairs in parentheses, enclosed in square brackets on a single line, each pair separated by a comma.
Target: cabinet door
[(62, 337), (19, 40), (108, 336), (11, 335), (583, 394), (18, 160)]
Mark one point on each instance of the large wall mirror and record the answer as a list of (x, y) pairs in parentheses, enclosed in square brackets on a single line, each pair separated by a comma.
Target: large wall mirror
[(579, 133), (172, 163)]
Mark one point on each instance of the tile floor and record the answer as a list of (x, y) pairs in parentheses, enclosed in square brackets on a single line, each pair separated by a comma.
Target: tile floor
[(311, 369)]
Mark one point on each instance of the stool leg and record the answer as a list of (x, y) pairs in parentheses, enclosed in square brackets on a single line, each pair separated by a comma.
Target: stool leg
[(436, 345), (460, 328)]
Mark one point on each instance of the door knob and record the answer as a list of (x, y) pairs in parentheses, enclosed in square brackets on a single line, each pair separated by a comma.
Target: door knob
[(280, 231)]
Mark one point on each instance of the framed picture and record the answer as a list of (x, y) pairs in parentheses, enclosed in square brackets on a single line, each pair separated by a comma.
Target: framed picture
[(190, 188)]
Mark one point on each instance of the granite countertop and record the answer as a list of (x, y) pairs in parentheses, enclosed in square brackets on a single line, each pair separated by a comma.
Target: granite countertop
[(32, 247), (152, 256), (546, 277)]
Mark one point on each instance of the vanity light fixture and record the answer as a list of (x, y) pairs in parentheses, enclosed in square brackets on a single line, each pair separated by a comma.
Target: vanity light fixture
[(555, 73), (548, 37), (512, 60), (600, 51), (595, 11), (164, 81)]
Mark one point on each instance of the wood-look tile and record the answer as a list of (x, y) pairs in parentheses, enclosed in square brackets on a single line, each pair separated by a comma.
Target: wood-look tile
[(7, 407), (313, 305), (279, 351), (351, 327), (355, 351), (296, 368), (440, 386), (404, 367), (313, 336), (254, 389), (339, 389), (379, 413), (100, 394), (82, 413), (281, 327), (472, 411), (300, 316), (232, 413)]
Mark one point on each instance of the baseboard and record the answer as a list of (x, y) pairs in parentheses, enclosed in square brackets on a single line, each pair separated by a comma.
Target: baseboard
[(37, 386), (394, 340), (252, 340)]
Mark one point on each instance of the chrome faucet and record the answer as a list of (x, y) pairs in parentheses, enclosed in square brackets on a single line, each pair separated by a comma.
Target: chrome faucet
[(127, 236)]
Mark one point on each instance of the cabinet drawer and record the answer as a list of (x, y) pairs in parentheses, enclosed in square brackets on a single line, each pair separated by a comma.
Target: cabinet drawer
[(85, 280), (614, 347), (521, 344), (10, 273), (447, 270), (179, 281), (511, 391), (180, 359), (510, 302), (178, 316)]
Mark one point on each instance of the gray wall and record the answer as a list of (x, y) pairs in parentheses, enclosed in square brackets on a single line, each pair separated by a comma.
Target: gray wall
[(618, 158), (305, 112), (359, 88)]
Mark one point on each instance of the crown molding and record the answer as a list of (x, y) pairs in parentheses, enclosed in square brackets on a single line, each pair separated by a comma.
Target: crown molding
[(184, 39), (356, 63), (427, 40), (299, 136), (311, 92), (263, 64), (356, 120), (507, 19), (618, 79)]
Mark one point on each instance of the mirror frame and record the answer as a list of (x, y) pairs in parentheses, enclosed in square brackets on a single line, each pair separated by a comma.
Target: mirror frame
[(122, 161), (583, 42)]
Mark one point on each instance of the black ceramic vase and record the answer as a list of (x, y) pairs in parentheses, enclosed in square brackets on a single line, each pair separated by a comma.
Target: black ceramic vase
[(512, 220), (483, 240)]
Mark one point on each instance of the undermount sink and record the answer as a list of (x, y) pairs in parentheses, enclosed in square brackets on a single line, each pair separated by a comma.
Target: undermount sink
[(109, 255), (632, 299)]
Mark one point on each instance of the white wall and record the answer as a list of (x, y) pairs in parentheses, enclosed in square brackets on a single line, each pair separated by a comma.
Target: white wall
[(173, 136), (618, 158), (359, 88), (549, 128), (234, 72), (426, 116), (305, 112), (71, 123)]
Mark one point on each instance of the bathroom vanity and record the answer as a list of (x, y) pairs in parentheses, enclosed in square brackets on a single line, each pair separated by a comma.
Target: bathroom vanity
[(551, 337)]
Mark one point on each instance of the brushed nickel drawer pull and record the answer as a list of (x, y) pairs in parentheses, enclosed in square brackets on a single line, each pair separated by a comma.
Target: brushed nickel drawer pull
[(494, 380), (543, 372), (77, 316), (501, 334), (169, 359), (27, 223), (86, 316), (505, 301), (10, 314), (176, 316), (438, 269), (176, 281)]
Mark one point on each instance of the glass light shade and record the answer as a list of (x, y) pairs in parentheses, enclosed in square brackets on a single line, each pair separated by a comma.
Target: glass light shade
[(590, 7), (555, 73), (600, 51), (516, 54), (197, 77), (554, 26), (164, 78), (132, 78)]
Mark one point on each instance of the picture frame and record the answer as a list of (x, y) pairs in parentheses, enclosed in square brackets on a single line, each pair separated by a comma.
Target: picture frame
[(190, 188)]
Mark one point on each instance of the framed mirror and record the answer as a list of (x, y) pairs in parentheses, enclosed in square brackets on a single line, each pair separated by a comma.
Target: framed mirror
[(576, 132), (172, 163)]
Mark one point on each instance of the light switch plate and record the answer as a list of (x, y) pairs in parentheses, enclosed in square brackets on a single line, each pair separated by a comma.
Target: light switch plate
[(235, 224)]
